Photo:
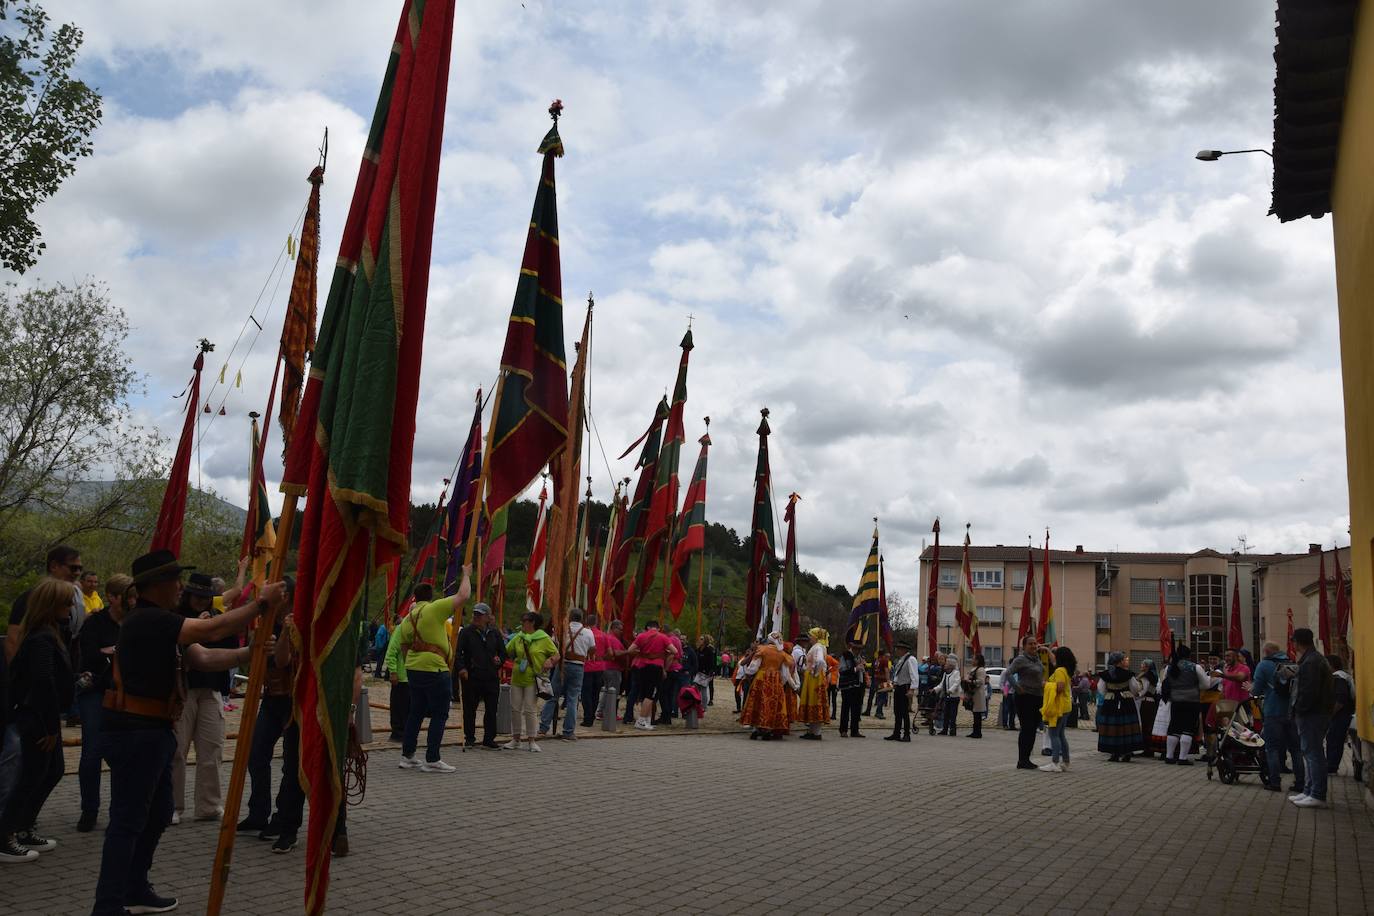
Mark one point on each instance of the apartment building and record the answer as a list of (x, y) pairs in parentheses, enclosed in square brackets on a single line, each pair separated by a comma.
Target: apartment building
[(1108, 601)]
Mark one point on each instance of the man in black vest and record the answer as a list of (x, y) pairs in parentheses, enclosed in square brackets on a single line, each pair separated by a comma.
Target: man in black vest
[(136, 737)]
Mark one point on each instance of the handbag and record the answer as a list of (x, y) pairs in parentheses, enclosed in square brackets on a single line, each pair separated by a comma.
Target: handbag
[(543, 684)]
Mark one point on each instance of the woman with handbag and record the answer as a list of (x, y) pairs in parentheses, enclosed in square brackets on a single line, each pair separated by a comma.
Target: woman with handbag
[(534, 655), (41, 689), (976, 699)]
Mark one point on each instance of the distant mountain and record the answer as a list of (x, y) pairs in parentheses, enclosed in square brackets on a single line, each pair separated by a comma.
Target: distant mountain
[(234, 516)]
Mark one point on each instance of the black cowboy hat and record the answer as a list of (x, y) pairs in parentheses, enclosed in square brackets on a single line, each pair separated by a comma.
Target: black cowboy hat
[(199, 584), (157, 566)]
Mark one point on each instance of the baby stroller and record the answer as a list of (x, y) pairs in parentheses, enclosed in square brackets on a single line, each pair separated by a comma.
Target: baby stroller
[(1239, 748), (929, 707)]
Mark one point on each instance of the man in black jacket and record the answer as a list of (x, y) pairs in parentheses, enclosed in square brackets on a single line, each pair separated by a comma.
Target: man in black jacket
[(481, 652), (1312, 705)]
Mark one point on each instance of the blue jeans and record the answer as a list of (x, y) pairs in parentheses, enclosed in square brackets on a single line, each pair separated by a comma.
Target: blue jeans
[(1059, 743), (88, 771), (140, 809), (1280, 736), (1312, 734), (11, 756), (430, 694), (567, 686)]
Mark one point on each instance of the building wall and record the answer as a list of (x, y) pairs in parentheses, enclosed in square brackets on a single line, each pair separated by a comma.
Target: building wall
[(1353, 231), (1282, 587)]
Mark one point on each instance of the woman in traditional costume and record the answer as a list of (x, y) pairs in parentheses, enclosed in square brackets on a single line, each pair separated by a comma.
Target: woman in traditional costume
[(814, 707), (766, 706), (1118, 721), (1149, 707)]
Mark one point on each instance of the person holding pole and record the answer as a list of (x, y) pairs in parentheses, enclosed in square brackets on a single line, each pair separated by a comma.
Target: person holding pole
[(137, 740)]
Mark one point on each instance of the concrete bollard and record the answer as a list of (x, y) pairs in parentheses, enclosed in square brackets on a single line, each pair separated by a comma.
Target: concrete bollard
[(691, 719), (503, 711), (362, 718), (610, 721)]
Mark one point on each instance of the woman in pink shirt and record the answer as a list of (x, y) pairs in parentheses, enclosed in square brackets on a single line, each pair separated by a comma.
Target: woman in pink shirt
[(1234, 677)]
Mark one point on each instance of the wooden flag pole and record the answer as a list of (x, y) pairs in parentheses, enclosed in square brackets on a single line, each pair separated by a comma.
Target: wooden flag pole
[(257, 673), (482, 481)]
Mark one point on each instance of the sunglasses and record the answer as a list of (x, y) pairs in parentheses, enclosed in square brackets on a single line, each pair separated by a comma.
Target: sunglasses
[(76, 568)]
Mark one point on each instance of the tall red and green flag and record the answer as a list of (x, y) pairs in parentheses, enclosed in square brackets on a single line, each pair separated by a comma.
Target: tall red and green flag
[(658, 527), (463, 509), (637, 518), (966, 605), (790, 597), (863, 614), (1029, 602), (1323, 606), (494, 553), (358, 411), (1342, 602), (1045, 632), (763, 555), (933, 596), (539, 554), (530, 418), (605, 605), (567, 475), (171, 516), (691, 530)]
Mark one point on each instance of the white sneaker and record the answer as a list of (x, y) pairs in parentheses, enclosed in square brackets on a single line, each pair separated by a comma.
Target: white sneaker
[(176, 818), (1297, 798), (408, 763), (1308, 801), (438, 766), (513, 745), (534, 748), (1050, 767)]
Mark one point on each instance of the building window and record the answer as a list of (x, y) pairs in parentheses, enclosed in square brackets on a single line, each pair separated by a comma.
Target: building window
[(1146, 591), (993, 656), (949, 577), (1207, 607), (1102, 659), (1018, 579), (989, 615), (987, 578), (1104, 622), (1138, 658), (1144, 626), (946, 617), (946, 648)]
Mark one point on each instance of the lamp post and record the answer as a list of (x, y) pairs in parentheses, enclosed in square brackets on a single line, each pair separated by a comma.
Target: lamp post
[(1212, 155)]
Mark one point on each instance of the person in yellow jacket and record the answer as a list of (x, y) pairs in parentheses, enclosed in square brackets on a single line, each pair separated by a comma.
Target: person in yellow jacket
[(1055, 707)]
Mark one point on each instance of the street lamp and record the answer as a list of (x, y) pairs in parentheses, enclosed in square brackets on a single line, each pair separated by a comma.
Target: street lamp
[(1212, 155)]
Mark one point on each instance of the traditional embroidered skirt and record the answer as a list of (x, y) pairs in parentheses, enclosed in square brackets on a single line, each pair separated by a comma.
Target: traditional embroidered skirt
[(766, 706), (815, 703), (1118, 725)]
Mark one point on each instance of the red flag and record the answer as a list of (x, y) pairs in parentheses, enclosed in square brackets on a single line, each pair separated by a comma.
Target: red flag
[(1292, 649), (534, 581), (1323, 606), (933, 597), (884, 621), (966, 605), (691, 530), (172, 516), (355, 433), (1235, 639), (1045, 633), (636, 520), (659, 527), (1342, 602), (1027, 624), (1166, 635)]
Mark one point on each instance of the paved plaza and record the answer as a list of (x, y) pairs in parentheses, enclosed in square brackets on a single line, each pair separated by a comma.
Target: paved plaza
[(715, 823)]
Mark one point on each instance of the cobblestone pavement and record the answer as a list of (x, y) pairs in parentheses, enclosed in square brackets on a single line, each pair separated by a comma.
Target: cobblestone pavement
[(715, 823)]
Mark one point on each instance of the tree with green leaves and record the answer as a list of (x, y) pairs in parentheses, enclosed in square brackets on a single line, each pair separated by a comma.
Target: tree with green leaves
[(46, 120)]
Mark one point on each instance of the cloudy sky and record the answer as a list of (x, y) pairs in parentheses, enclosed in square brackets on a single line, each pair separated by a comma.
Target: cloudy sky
[(962, 250)]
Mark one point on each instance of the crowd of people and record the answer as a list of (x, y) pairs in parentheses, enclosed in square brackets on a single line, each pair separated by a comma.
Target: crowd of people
[(145, 671)]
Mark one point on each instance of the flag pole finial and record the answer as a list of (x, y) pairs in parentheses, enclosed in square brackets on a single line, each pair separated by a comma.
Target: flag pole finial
[(936, 527), (206, 346), (253, 414), (556, 110)]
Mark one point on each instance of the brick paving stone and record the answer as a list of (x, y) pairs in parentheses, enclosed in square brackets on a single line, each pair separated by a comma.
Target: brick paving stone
[(933, 826)]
